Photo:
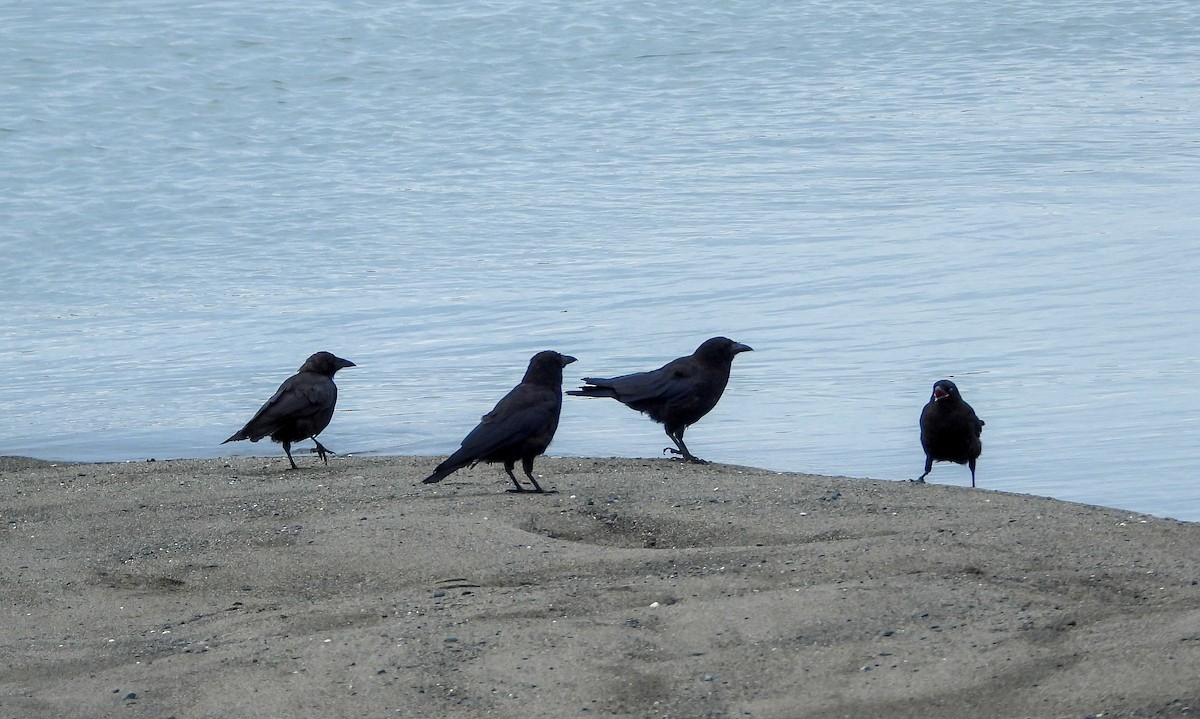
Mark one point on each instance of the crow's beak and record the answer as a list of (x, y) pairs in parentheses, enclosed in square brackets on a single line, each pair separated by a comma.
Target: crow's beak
[(939, 393), (739, 347), (344, 363), (568, 359)]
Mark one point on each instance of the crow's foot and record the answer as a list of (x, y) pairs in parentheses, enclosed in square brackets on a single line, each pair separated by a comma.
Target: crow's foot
[(685, 456)]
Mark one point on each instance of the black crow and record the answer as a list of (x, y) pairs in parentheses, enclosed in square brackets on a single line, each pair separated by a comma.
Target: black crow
[(949, 429), (300, 409), (519, 427), (677, 394)]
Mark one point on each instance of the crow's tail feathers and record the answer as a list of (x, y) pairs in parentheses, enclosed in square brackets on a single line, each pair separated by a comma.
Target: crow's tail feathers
[(447, 468), (595, 387)]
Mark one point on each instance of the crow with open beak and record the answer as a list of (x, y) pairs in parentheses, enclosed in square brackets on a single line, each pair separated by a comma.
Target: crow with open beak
[(949, 429)]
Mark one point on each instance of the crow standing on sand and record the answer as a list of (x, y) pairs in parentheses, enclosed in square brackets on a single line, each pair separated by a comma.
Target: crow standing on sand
[(677, 394), (300, 409), (949, 429), (519, 427)]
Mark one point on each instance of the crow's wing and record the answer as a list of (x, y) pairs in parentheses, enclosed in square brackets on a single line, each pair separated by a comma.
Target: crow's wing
[(297, 398), (523, 413), (676, 381)]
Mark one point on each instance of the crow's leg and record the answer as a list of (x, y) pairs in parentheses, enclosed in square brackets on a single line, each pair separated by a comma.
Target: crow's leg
[(971, 464), (322, 450), (527, 465), (287, 449), (508, 467), (677, 438), (928, 467)]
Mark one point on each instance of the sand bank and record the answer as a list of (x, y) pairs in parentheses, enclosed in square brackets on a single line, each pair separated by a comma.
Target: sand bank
[(233, 588)]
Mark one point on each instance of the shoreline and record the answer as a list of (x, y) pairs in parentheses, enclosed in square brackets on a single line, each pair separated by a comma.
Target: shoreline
[(642, 587), (16, 462)]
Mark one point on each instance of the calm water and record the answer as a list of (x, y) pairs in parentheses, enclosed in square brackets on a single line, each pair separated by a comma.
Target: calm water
[(197, 196)]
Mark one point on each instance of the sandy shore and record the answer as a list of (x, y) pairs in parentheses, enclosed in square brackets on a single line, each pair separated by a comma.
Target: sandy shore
[(232, 588)]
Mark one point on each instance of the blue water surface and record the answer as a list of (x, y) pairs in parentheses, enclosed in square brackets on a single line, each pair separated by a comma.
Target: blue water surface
[(194, 197)]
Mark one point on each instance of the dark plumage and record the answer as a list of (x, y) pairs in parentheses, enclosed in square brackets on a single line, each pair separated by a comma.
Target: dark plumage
[(949, 429), (677, 394), (521, 425), (300, 409)]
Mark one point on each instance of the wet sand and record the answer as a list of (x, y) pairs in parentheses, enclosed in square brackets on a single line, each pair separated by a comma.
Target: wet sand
[(641, 588)]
